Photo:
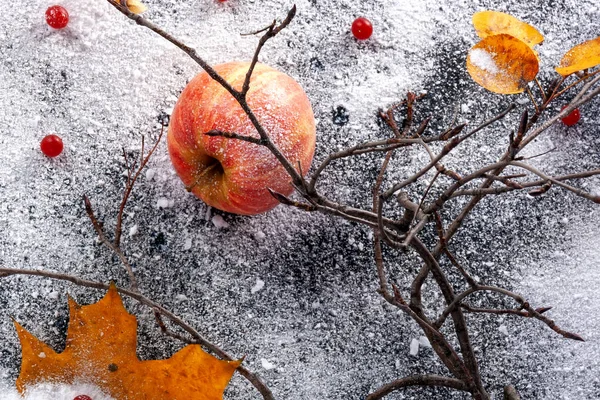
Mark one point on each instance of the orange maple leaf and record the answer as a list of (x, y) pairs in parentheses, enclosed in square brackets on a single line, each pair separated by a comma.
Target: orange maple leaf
[(101, 350)]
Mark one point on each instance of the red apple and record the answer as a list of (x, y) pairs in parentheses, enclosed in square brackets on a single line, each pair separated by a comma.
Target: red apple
[(230, 174)]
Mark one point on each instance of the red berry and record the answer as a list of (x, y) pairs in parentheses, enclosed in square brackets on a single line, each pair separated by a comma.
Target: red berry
[(51, 145), (82, 397), (572, 118), (57, 17), (362, 28)]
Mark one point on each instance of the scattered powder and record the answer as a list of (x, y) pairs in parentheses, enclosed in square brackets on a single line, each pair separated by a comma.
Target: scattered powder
[(104, 82), (484, 60), (266, 364), (414, 347), (219, 222), (258, 286), (56, 392)]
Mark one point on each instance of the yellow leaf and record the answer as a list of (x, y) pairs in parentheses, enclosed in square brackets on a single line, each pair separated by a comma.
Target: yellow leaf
[(135, 6), (489, 23), (101, 350), (583, 56), (502, 64)]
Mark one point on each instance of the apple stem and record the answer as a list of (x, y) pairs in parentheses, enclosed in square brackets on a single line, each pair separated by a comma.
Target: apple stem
[(202, 174)]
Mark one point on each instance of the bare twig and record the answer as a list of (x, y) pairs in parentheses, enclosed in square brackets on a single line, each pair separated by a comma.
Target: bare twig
[(533, 313), (232, 135), (447, 149), (584, 96), (131, 182), (577, 82), (510, 393), (417, 380), (542, 92), (515, 311), (577, 191), (458, 318), (270, 32), (198, 338), (109, 244), (369, 147), (532, 98), (524, 185)]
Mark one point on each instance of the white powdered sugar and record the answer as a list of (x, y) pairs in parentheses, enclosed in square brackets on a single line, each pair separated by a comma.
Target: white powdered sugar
[(293, 292), (484, 60)]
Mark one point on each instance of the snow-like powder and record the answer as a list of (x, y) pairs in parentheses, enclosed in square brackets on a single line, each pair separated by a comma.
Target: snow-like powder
[(293, 292), (54, 392), (484, 60)]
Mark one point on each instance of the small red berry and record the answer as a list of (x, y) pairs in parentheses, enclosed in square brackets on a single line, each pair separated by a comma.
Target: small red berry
[(57, 17), (51, 145), (82, 397), (362, 28), (572, 118)]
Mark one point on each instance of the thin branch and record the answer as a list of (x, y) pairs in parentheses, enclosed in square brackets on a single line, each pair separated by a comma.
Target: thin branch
[(199, 339), (381, 228), (515, 311), (362, 148), (584, 96), (289, 202), (418, 380), (577, 82), (447, 194), (107, 243), (506, 180), (447, 149), (424, 197), (458, 318), (131, 183), (232, 135), (270, 32), (525, 185), (380, 268), (166, 331), (537, 108), (350, 214), (539, 85), (539, 154), (533, 313), (577, 191), (456, 264), (369, 216), (438, 342), (415, 231)]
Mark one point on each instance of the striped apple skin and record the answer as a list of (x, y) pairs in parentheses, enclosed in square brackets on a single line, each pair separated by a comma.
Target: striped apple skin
[(229, 174)]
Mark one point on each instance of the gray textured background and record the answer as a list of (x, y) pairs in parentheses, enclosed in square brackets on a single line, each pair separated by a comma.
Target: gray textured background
[(104, 82)]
